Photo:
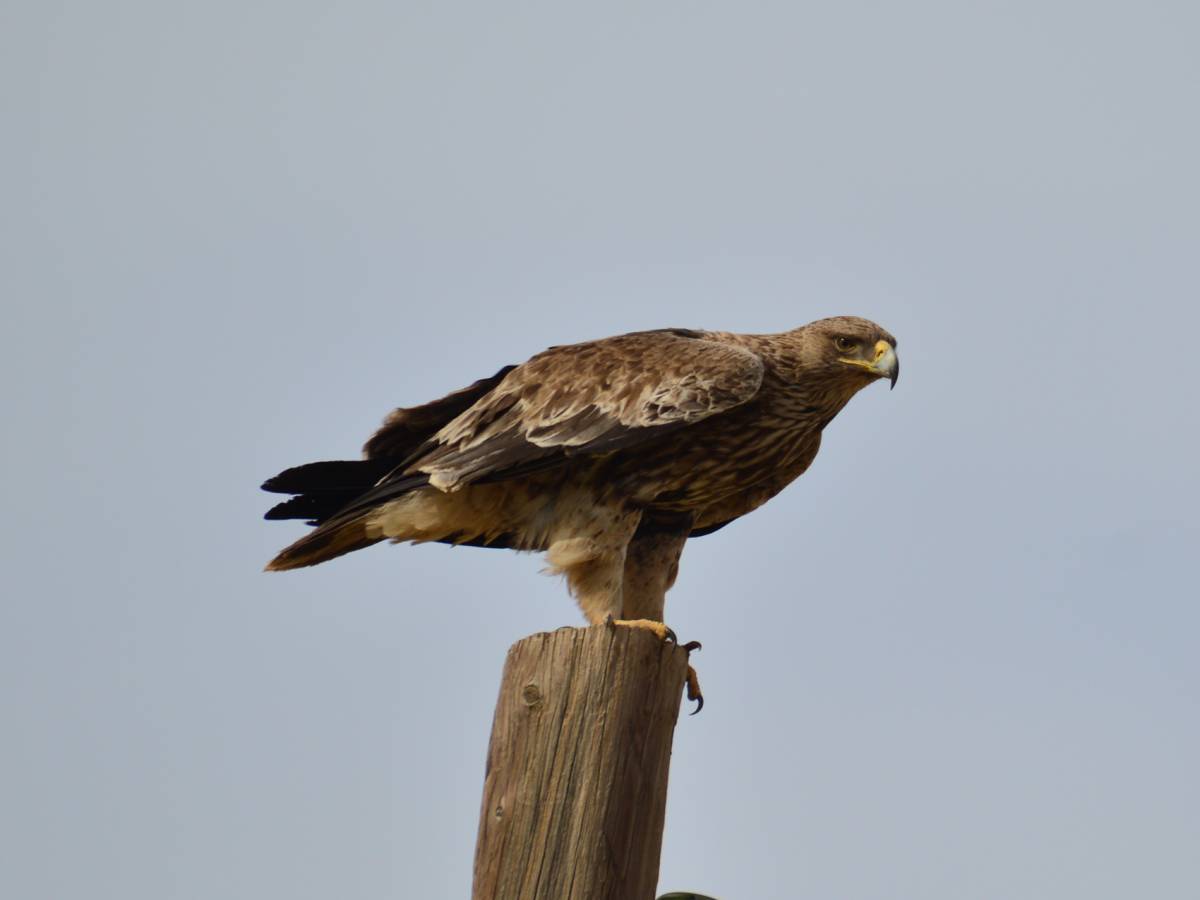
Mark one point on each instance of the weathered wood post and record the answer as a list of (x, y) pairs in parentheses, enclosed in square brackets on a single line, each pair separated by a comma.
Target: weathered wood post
[(576, 782)]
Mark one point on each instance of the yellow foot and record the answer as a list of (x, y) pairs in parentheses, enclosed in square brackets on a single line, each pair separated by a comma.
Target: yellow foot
[(664, 633)]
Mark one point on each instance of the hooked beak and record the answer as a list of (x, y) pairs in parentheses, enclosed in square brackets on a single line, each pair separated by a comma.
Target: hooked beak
[(885, 364)]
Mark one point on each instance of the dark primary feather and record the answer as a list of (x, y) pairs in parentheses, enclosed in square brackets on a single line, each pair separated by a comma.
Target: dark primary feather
[(325, 477), (323, 488)]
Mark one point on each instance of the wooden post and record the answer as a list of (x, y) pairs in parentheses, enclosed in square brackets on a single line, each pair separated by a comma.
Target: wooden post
[(576, 782)]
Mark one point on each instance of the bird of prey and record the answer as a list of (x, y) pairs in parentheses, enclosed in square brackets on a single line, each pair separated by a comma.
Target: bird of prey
[(606, 455)]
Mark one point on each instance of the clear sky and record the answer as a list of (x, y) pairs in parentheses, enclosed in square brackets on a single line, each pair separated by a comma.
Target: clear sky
[(956, 660)]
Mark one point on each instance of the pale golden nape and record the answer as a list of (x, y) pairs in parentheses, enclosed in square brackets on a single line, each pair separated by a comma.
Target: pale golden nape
[(606, 455)]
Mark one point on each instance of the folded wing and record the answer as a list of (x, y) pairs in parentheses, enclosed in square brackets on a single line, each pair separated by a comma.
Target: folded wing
[(589, 398)]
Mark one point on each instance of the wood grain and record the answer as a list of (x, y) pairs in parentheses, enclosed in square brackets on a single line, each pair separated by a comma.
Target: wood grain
[(576, 781)]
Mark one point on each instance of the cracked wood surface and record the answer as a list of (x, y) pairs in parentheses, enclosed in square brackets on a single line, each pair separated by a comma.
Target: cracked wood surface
[(576, 781)]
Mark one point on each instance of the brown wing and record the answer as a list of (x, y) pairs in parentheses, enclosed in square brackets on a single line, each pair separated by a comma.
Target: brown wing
[(589, 398)]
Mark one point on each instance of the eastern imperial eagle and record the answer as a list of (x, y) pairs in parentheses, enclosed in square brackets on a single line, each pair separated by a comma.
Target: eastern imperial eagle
[(607, 455)]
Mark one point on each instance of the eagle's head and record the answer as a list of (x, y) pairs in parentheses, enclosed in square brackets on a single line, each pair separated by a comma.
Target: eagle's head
[(847, 353)]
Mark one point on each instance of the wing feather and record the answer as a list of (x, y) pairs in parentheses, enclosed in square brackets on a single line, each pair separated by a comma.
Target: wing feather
[(406, 428), (589, 398)]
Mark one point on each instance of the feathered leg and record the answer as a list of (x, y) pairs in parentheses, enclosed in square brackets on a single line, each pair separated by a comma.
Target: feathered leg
[(651, 566), (588, 547)]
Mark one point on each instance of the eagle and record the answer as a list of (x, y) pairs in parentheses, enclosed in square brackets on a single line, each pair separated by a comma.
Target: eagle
[(605, 455)]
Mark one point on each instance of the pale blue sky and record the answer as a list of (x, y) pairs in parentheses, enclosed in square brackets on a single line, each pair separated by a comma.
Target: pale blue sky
[(956, 660)]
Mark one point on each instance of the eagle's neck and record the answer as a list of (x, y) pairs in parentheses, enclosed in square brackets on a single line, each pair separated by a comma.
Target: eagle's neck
[(795, 389)]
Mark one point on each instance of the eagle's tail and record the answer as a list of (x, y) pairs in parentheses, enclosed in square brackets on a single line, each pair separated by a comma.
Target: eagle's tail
[(323, 492), (329, 540)]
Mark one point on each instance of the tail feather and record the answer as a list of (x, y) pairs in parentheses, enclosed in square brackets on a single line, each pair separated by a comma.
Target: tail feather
[(336, 497), (328, 541)]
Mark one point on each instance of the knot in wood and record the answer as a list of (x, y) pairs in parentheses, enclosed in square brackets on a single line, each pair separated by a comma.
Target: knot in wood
[(531, 695)]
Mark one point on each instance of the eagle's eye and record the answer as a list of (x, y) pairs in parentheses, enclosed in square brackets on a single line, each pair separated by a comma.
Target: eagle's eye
[(845, 344)]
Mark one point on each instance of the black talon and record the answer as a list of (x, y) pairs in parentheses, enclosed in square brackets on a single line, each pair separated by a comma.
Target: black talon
[(689, 647), (699, 705), (671, 635)]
